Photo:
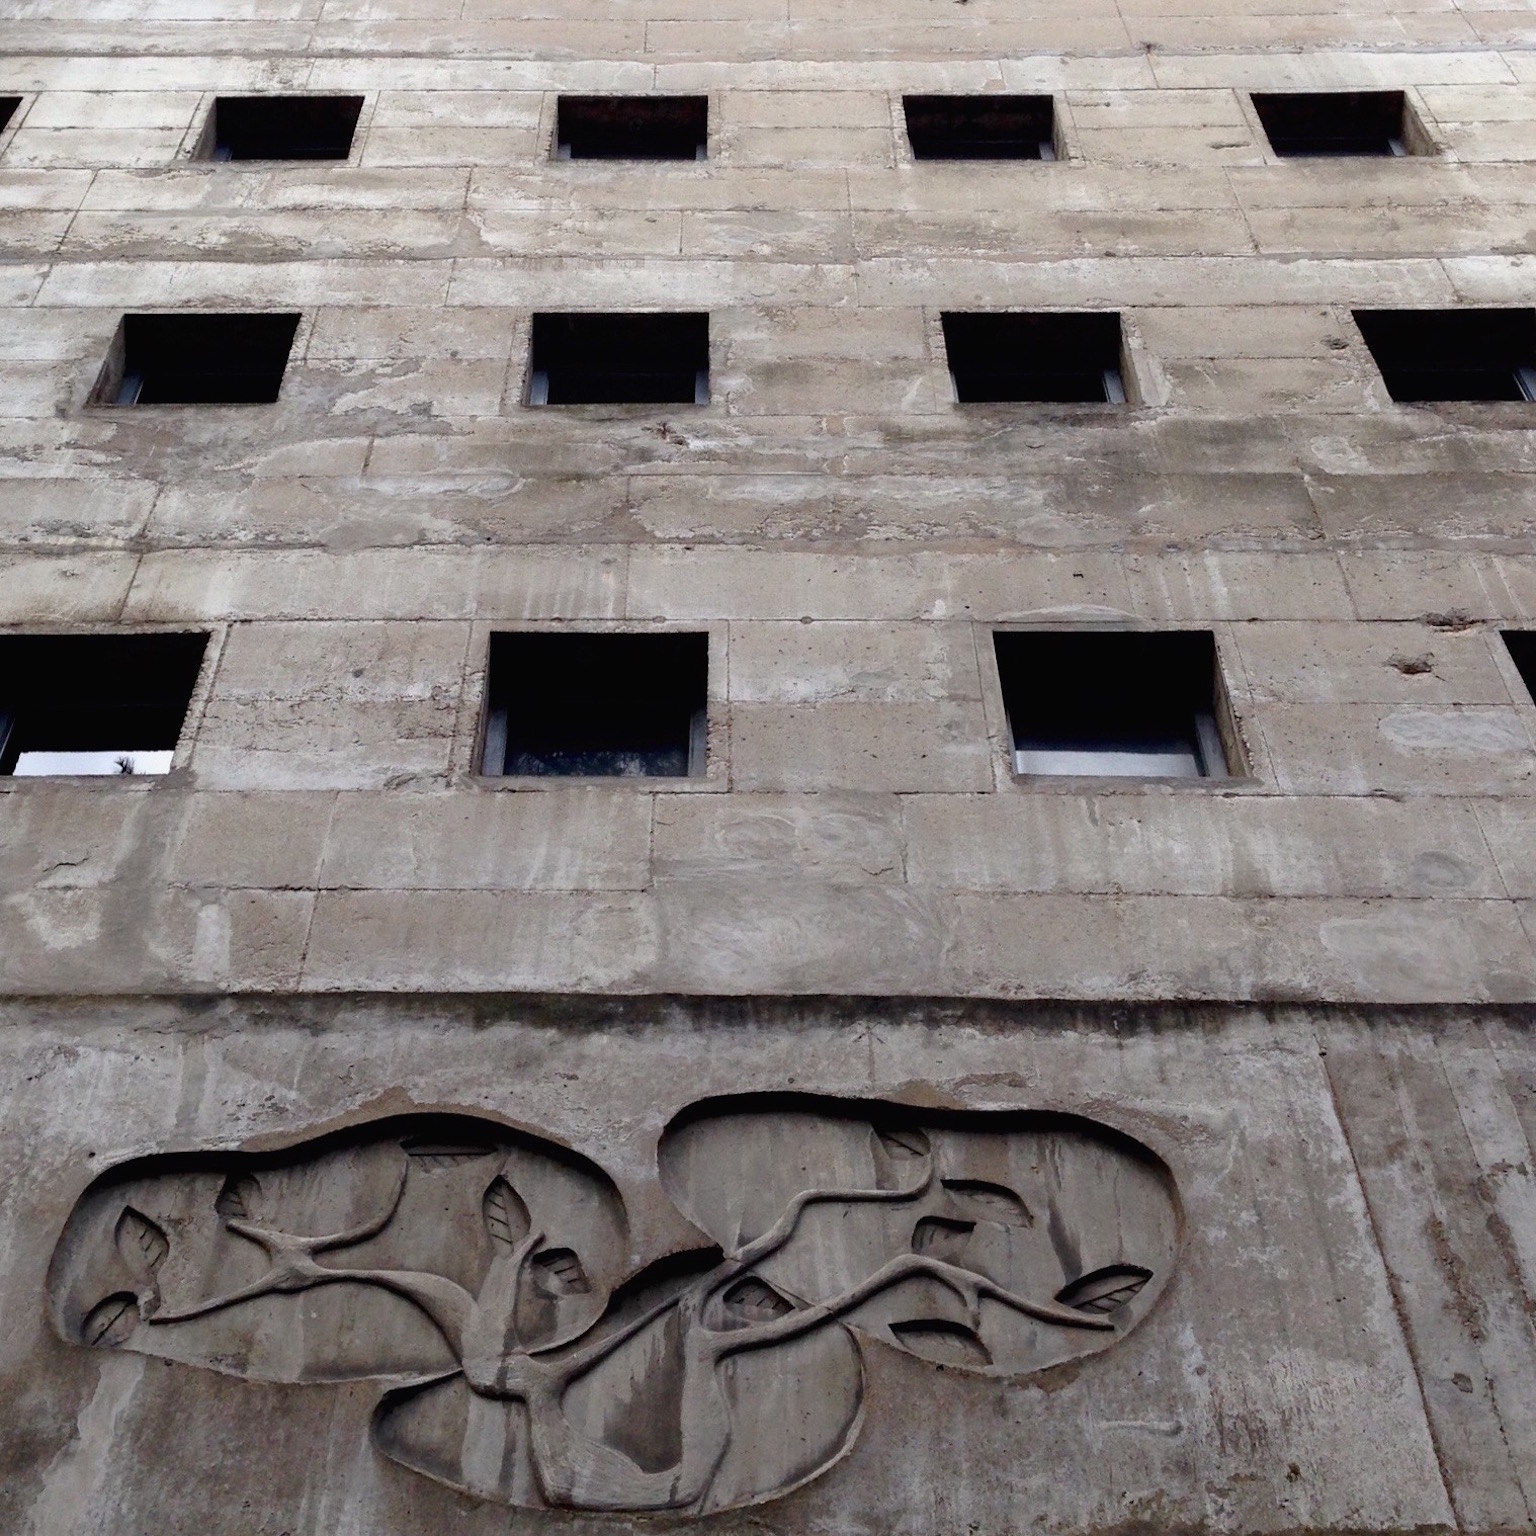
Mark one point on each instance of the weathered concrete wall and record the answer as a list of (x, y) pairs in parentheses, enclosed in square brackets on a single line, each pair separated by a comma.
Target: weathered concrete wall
[(860, 830), (845, 532), (1344, 1340), (322, 918)]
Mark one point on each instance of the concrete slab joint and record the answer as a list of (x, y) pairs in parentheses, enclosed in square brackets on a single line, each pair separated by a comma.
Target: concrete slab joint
[(767, 765)]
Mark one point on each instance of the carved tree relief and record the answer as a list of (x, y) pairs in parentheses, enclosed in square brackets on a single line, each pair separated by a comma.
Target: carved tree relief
[(485, 1275)]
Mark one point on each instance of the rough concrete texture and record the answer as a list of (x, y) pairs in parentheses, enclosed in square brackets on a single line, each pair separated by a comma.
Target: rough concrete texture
[(1164, 1160), (1339, 1333), (846, 533)]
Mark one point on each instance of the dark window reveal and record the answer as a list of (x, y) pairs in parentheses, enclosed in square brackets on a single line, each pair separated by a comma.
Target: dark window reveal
[(632, 127), (981, 127), (1114, 704), (281, 128), (1334, 122), (1453, 354), (197, 359), (94, 704), (603, 704), (1011, 356), (583, 359), (8, 106), (1522, 651)]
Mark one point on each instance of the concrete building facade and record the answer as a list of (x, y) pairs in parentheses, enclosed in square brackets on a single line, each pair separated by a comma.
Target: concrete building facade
[(854, 1135)]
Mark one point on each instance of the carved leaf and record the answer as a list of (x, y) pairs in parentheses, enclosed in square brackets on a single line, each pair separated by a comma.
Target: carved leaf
[(111, 1322), (753, 1300), (240, 1198), (429, 1154), (142, 1244), (506, 1217), (942, 1238), (1105, 1289), (557, 1272), (899, 1155), (942, 1342), (903, 1143), (989, 1202)]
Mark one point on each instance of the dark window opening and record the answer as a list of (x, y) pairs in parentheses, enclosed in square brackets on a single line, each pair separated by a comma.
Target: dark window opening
[(8, 106), (1334, 122), (619, 359), (1113, 704), (632, 128), (94, 704), (197, 359), (610, 705), (281, 128), (1453, 354), (1011, 356), (981, 127), (1522, 650)]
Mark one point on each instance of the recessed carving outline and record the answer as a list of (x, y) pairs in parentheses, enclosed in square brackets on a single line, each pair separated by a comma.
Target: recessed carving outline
[(486, 1276)]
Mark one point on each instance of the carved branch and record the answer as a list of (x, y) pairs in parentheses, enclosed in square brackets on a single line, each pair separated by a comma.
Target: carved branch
[(567, 1366), (965, 1283), (293, 1268), (534, 1370), (492, 1321), (275, 1242), (562, 1453), (783, 1229), (270, 1284), (447, 1305)]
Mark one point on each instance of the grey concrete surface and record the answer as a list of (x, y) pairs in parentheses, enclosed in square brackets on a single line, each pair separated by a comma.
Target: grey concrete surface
[(1333, 1348), (1304, 991)]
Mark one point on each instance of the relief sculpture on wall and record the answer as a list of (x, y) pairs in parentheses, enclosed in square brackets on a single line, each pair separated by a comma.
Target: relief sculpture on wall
[(486, 1275)]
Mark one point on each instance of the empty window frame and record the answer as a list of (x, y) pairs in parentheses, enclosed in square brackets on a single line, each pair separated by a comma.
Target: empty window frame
[(1337, 122), (1113, 704), (197, 359), (632, 128), (8, 106), (1453, 354), (981, 127), (94, 704), (644, 359), (1007, 355), (609, 705), (280, 128)]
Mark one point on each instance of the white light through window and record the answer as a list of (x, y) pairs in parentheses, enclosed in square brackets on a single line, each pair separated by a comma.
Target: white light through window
[(1174, 762), (36, 765)]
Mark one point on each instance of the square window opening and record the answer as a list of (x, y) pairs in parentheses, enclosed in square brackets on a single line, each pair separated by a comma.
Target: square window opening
[(1115, 705), (981, 127), (280, 128), (8, 107), (1521, 644), (624, 359), (1011, 356), (596, 705), (632, 128), (196, 359), (1427, 355), (1338, 123), (94, 704)]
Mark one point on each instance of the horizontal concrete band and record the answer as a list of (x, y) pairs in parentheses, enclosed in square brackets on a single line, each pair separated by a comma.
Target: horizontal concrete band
[(1060, 896), (681, 32), (910, 705)]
